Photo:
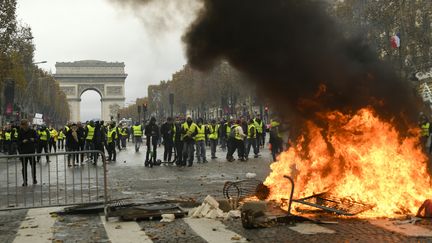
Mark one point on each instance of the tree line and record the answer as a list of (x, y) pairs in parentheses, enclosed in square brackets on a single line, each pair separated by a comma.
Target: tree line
[(30, 89)]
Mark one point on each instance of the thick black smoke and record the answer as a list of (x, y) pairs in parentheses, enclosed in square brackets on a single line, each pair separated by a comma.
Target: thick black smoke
[(299, 56)]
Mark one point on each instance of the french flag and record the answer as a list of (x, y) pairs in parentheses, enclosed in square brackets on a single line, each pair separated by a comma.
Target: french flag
[(395, 41)]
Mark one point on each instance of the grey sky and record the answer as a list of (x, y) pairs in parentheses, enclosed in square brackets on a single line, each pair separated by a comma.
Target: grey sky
[(66, 30)]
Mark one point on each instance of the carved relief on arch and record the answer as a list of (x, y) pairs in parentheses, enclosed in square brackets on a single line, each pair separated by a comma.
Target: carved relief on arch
[(100, 88), (115, 90), (68, 90)]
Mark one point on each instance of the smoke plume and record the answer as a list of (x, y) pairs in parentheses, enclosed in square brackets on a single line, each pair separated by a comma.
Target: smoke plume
[(297, 54), (162, 16)]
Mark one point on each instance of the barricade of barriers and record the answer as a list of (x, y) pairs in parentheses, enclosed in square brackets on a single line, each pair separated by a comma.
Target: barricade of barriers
[(59, 182)]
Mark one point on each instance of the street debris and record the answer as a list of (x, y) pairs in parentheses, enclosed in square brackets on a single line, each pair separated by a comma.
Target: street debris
[(167, 218), (250, 175), (208, 209)]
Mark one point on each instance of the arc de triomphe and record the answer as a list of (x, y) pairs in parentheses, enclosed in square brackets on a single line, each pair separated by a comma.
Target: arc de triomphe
[(106, 78)]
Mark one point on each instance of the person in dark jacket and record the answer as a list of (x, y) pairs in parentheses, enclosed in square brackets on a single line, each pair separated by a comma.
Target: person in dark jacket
[(168, 131), (27, 145), (72, 138), (82, 140), (98, 141), (152, 135)]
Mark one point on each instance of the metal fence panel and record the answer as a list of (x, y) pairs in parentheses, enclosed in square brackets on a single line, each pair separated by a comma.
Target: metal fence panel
[(57, 183)]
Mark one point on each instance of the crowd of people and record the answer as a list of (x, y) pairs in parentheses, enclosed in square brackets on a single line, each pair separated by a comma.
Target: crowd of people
[(184, 140)]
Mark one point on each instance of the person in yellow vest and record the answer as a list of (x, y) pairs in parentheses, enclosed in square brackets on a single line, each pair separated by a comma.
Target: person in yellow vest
[(65, 131), (276, 140), (260, 127), (188, 131), (1, 139), (111, 140), (89, 134), (14, 140), (213, 137), (61, 138), (43, 139), (425, 132), (137, 131), (236, 142), (200, 140), (53, 139), (252, 136), (8, 139), (123, 135)]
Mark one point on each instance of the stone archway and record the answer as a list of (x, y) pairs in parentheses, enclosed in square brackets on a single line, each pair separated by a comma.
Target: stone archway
[(106, 78)]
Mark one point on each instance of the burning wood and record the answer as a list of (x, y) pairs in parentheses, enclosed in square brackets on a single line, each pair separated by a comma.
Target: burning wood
[(357, 157)]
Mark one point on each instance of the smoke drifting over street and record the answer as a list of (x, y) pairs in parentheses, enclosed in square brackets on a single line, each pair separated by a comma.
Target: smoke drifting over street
[(162, 16), (297, 54)]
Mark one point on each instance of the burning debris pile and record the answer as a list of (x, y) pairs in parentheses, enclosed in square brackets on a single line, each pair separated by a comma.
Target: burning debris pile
[(358, 157)]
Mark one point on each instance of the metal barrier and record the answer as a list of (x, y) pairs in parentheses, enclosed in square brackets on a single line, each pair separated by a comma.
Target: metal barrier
[(57, 183)]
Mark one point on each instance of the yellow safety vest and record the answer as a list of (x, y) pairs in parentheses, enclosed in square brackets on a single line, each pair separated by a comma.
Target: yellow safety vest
[(200, 133), (61, 135), (7, 136), (188, 130), (258, 126), (110, 134), (228, 129), (213, 132), (137, 131), (43, 136), (252, 129), (54, 134), (15, 133), (90, 132), (275, 124), (425, 129), (67, 128), (237, 134)]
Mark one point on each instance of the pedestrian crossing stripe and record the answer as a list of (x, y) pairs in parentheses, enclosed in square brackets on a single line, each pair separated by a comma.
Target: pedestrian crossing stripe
[(37, 226), (124, 232), (213, 231)]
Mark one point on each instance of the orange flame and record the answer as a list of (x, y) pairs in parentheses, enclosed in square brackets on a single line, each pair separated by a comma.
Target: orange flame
[(359, 157)]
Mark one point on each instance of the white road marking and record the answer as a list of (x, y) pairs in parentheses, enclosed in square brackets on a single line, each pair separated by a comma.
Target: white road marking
[(310, 229), (213, 231), (124, 232), (37, 226), (405, 229)]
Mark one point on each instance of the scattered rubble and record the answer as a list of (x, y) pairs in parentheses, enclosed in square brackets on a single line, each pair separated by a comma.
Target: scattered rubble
[(167, 218)]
